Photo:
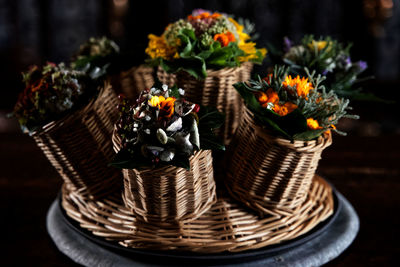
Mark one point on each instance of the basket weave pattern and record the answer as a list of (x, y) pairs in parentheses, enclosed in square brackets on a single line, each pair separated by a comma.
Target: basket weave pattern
[(171, 194), (80, 149), (227, 226), (133, 81), (268, 173), (215, 90), (245, 72)]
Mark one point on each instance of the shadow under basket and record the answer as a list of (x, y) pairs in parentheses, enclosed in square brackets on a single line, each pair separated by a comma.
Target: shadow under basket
[(79, 146), (171, 194), (270, 174), (216, 90)]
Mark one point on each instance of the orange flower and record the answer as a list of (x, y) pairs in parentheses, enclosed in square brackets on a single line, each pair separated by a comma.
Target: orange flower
[(205, 15), (167, 107), (302, 85), (313, 124), (224, 38), (283, 110), (269, 97)]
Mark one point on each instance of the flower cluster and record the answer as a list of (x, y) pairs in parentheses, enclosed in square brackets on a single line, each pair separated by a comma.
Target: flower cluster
[(327, 57), (163, 128), (96, 57), (49, 93), (203, 39), (294, 107)]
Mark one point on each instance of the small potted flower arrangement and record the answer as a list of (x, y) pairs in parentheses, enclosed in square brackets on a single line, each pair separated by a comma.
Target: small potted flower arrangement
[(100, 58), (329, 58), (71, 120), (207, 53), (163, 144), (286, 125)]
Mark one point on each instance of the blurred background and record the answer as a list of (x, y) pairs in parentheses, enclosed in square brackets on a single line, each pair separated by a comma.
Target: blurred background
[(33, 31), (364, 166)]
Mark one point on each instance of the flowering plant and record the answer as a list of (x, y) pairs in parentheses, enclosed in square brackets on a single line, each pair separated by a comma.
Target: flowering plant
[(49, 94), (202, 41), (96, 57), (297, 108), (162, 128), (327, 57)]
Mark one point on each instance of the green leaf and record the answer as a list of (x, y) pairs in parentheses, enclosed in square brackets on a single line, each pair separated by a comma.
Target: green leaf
[(309, 135), (210, 117), (210, 142), (181, 161), (293, 123)]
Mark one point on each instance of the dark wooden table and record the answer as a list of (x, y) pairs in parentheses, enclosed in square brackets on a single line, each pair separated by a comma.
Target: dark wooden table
[(363, 166)]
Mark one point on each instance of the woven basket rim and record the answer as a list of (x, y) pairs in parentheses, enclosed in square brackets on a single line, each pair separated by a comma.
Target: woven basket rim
[(167, 168), (51, 126), (213, 72), (320, 143)]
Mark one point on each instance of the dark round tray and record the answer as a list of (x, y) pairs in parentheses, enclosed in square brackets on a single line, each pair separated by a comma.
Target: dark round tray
[(183, 257)]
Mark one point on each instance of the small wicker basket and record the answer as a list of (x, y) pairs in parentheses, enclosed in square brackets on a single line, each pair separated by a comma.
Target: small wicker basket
[(266, 172), (133, 81), (215, 90), (79, 146), (171, 194)]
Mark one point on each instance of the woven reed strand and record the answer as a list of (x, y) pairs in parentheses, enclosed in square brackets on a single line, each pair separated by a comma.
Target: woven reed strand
[(79, 146), (215, 90), (171, 194), (269, 173), (133, 81), (227, 226)]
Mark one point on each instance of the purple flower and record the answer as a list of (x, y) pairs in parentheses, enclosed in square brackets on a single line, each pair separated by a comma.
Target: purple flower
[(287, 44), (348, 61), (325, 72), (199, 11), (362, 65)]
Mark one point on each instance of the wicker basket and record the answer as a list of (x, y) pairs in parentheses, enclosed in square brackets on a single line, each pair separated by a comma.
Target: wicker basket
[(245, 72), (170, 194), (215, 90), (271, 173), (133, 81), (79, 146)]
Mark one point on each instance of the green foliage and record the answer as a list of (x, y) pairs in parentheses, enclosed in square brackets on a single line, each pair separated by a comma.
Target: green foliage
[(97, 57), (325, 107), (195, 59), (333, 61)]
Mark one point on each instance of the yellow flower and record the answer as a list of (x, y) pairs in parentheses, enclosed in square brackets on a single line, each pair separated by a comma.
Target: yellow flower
[(313, 124), (303, 87), (155, 101), (158, 47), (250, 47), (319, 45)]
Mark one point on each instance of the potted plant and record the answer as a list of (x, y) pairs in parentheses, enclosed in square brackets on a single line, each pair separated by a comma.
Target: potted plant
[(163, 147), (328, 57), (206, 53), (101, 58), (286, 125), (71, 120)]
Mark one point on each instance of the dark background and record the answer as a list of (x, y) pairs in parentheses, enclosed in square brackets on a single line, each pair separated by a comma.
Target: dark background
[(364, 166)]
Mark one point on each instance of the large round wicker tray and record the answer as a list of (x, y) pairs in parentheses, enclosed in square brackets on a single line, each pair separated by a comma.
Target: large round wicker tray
[(227, 226)]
